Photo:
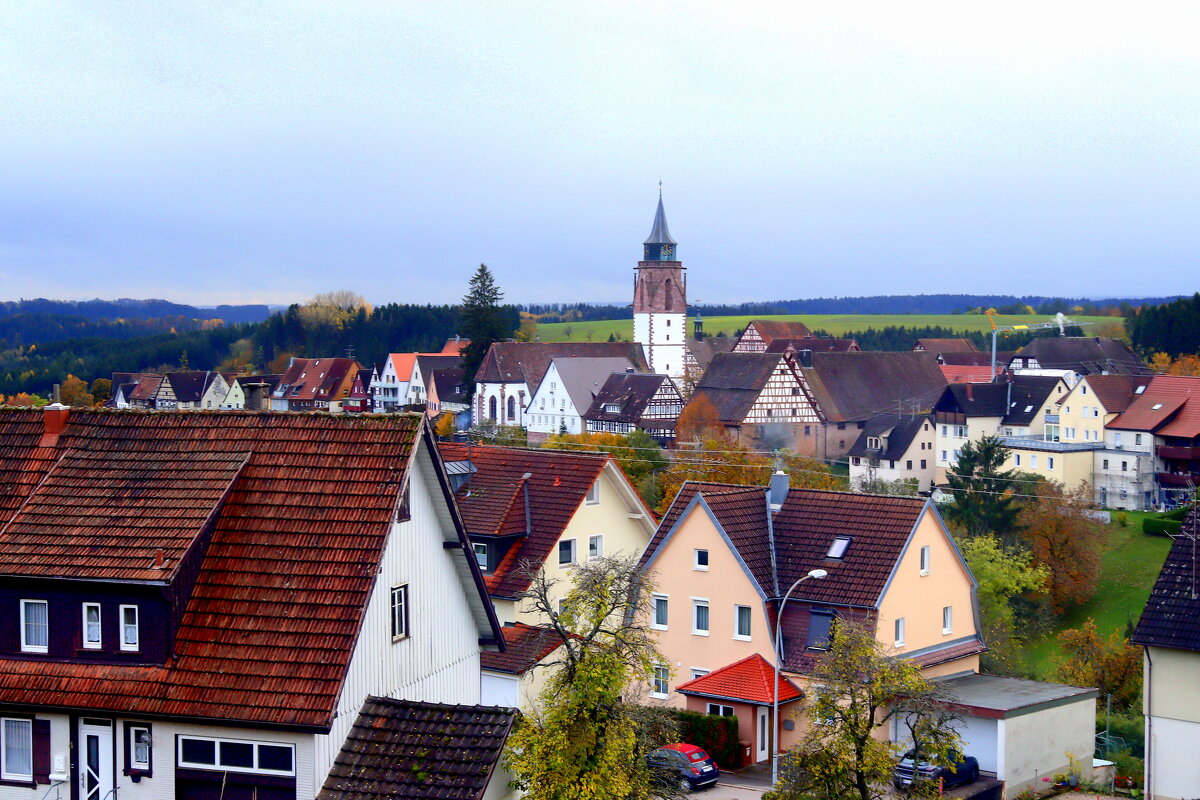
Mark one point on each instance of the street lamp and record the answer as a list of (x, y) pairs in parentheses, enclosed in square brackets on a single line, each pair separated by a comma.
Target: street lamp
[(812, 573)]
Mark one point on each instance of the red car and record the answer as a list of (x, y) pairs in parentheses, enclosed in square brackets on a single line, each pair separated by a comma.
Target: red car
[(686, 763)]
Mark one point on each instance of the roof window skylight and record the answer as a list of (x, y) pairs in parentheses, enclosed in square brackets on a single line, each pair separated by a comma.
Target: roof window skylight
[(1156, 407), (1028, 409), (838, 548), (1139, 390)]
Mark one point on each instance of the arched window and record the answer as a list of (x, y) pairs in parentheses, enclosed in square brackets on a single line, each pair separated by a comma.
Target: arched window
[(512, 408), (491, 408)]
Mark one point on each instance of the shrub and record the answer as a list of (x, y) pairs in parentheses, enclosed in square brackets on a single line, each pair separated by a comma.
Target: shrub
[(1122, 519), (1157, 526), (717, 735)]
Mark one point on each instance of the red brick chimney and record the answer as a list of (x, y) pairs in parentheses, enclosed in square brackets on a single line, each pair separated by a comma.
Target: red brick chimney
[(970, 390), (54, 418)]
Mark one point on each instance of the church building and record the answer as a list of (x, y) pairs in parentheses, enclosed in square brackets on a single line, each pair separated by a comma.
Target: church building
[(660, 301)]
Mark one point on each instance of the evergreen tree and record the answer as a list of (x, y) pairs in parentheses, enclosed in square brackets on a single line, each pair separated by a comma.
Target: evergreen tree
[(982, 489), (483, 322)]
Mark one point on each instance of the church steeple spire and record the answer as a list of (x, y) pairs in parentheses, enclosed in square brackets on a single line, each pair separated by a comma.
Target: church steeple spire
[(659, 246)]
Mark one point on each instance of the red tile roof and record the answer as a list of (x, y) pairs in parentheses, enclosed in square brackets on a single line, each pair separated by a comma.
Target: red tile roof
[(405, 749), (322, 379), (1169, 406), (1116, 392), (525, 647), (118, 515), (271, 623), (493, 502), (751, 680), (956, 374), (946, 345)]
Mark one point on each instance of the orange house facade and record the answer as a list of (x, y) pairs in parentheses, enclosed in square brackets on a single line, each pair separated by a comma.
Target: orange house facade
[(724, 556)]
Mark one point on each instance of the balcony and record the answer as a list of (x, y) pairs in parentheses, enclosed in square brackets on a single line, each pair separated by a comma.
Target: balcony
[(1178, 453), (1051, 419), (1171, 479)]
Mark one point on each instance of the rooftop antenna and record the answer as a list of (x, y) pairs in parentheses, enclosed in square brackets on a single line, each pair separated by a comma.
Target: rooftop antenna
[(660, 188), (350, 351)]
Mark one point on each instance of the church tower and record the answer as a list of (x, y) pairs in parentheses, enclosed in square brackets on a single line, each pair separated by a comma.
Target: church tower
[(660, 300)]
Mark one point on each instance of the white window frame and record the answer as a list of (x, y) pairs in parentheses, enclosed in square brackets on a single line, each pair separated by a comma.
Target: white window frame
[(737, 634), (721, 708), (399, 618), (593, 494), (255, 770), (899, 629), (15, 776), (480, 549), (947, 620), (838, 547), (696, 565), (98, 643), (134, 762), (137, 628), (571, 544), (926, 558), (598, 541), (697, 603), (660, 676), (26, 647), (699, 672), (654, 623)]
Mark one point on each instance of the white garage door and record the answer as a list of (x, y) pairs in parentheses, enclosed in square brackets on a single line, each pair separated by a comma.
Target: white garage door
[(979, 740)]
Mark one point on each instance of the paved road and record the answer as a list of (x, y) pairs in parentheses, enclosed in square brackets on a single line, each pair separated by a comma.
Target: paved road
[(725, 792)]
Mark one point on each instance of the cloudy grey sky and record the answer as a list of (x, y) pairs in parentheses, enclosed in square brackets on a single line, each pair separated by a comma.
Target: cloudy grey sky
[(238, 152)]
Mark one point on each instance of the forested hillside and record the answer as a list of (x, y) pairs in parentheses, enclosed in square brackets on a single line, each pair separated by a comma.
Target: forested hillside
[(309, 330), (1172, 328)]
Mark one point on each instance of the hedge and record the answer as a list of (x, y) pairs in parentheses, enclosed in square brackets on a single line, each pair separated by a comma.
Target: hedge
[(717, 735), (1157, 526)]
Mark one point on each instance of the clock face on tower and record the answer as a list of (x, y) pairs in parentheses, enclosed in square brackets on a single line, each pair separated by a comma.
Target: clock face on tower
[(667, 250)]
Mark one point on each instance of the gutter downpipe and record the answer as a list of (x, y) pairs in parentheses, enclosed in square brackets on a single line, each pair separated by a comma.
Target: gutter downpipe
[(1149, 725)]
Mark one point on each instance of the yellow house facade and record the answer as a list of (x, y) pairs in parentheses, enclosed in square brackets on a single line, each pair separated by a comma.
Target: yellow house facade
[(724, 556)]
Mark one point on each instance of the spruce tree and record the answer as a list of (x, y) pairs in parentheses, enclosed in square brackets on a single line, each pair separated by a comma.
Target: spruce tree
[(982, 490), (483, 322)]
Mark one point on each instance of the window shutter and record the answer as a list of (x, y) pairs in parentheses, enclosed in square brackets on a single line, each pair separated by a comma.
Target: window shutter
[(41, 751)]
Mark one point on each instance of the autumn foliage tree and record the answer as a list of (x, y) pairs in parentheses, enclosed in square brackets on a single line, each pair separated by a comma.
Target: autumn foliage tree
[(74, 392), (699, 421), (583, 739), (1002, 574), (1114, 665), (1065, 539)]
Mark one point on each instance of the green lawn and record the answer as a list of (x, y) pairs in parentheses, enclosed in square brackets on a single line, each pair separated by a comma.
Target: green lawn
[(1128, 570), (836, 324)]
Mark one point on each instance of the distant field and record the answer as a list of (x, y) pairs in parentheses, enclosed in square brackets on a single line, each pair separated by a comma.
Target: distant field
[(833, 323)]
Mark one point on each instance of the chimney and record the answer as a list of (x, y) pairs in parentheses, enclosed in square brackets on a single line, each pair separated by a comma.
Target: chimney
[(970, 390), (255, 394), (160, 559), (778, 490), (54, 420)]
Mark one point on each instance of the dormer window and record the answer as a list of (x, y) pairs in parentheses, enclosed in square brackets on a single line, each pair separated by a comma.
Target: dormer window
[(129, 628), (91, 626), (872, 442), (839, 547), (35, 626), (612, 408)]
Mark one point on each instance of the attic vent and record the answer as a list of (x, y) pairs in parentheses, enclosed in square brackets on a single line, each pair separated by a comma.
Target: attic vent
[(838, 548), (1156, 407)]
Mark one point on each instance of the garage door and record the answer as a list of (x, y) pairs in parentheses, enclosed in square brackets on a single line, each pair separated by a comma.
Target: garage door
[(230, 789), (979, 740)]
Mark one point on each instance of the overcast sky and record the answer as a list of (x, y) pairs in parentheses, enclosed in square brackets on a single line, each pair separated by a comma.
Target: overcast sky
[(263, 152)]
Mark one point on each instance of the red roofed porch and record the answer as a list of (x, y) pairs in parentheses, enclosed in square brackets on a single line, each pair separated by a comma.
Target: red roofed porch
[(744, 689)]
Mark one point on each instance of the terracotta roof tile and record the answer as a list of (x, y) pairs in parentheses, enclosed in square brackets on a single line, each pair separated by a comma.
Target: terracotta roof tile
[(493, 501), (525, 646), (850, 387), (1168, 406), (751, 680), (947, 345), (405, 749), (272, 619)]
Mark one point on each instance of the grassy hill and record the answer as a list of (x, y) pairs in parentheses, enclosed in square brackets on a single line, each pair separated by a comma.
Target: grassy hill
[(837, 324), (1128, 569)]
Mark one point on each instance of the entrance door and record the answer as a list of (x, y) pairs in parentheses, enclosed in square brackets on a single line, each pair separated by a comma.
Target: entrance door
[(96, 759), (764, 734)]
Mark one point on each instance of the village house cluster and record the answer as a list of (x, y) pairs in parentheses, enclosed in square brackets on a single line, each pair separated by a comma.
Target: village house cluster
[(284, 606)]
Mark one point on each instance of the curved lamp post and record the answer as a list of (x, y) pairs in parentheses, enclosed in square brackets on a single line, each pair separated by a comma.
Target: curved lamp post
[(778, 729)]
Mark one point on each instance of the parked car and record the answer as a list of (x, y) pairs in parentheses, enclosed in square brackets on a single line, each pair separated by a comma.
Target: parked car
[(966, 771), (686, 764)]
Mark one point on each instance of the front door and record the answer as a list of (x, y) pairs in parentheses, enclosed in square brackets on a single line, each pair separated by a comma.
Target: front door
[(96, 759), (764, 734)]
